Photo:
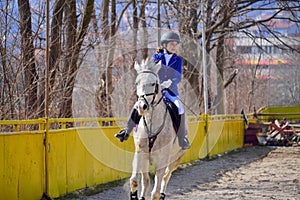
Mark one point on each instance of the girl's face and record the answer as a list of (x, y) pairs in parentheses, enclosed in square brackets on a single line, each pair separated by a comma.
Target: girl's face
[(172, 46)]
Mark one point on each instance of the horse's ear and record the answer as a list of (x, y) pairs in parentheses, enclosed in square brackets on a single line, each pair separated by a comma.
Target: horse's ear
[(146, 62), (137, 67), (157, 67)]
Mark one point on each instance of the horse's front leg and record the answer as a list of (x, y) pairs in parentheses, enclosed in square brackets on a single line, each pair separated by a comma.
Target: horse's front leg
[(145, 185), (155, 194), (133, 186), (139, 165)]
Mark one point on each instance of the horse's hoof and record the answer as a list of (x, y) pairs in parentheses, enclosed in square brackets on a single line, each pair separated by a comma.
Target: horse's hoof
[(142, 198), (133, 195), (162, 196)]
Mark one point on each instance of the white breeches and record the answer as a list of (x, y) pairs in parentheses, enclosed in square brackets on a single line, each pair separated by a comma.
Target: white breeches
[(177, 102)]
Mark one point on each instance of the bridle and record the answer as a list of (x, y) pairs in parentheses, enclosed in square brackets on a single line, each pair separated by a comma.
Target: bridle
[(154, 93), (152, 134)]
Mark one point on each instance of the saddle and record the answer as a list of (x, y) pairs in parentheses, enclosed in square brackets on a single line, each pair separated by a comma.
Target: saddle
[(173, 111)]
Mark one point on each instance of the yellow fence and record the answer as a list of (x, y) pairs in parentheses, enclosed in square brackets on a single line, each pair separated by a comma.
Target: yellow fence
[(89, 154), (289, 112)]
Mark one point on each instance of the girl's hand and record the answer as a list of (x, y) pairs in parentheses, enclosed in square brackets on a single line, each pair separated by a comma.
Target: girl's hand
[(159, 50), (166, 84), (158, 55)]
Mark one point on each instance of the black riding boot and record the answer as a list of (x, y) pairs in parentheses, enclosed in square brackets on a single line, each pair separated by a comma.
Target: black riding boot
[(134, 119), (182, 138), (178, 124)]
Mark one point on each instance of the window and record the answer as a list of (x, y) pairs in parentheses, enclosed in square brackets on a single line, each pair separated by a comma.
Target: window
[(243, 49)]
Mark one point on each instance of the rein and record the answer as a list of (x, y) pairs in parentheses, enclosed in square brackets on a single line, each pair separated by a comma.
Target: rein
[(152, 135)]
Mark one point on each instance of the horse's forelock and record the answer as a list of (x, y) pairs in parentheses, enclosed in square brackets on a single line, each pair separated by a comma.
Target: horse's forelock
[(143, 66), (154, 67), (149, 65), (146, 65)]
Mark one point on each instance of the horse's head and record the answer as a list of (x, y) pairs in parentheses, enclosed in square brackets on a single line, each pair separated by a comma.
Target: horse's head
[(147, 84)]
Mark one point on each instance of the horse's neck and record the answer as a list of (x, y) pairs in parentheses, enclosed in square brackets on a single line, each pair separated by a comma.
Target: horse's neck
[(156, 115)]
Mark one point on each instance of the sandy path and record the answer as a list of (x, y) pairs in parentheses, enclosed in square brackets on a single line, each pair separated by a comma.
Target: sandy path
[(249, 173)]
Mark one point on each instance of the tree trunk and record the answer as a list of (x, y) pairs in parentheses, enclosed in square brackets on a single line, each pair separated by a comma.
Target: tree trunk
[(55, 43), (145, 33), (220, 76), (28, 59), (104, 90), (110, 58), (135, 29), (55, 52), (192, 72), (69, 69), (6, 95), (73, 46), (220, 61), (101, 86)]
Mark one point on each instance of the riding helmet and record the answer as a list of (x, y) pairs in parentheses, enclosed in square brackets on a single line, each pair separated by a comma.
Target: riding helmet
[(170, 37)]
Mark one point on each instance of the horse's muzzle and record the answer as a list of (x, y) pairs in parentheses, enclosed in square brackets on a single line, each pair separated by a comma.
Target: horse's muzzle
[(142, 105), (145, 107)]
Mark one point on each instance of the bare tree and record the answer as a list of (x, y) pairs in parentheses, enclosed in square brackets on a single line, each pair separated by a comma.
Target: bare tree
[(28, 59), (144, 28), (224, 17), (220, 59), (102, 95), (55, 43), (21, 78), (109, 30), (6, 93), (74, 40)]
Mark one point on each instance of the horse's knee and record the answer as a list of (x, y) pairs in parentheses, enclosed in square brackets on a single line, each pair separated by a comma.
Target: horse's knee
[(146, 179), (148, 182), (155, 195), (133, 184)]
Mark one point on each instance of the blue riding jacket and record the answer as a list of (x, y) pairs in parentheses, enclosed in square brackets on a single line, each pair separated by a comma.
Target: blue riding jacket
[(172, 71)]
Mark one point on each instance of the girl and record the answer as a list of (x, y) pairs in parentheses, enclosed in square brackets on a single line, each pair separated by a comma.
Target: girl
[(170, 75)]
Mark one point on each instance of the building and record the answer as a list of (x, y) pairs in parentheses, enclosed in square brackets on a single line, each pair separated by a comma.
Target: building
[(270, 65)]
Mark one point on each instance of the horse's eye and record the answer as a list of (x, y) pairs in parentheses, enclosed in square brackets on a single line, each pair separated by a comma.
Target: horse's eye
[(153, 84)]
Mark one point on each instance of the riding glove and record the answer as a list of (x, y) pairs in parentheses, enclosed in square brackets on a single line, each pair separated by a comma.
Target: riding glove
[(166, 84)]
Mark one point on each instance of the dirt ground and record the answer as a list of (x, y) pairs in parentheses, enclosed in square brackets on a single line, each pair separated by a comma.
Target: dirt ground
[(248, 173)]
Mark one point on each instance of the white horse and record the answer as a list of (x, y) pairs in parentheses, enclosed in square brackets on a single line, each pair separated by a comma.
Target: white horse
[(155, 138)]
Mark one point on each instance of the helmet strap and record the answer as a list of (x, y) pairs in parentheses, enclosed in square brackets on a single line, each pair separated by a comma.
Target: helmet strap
[(168, 52)]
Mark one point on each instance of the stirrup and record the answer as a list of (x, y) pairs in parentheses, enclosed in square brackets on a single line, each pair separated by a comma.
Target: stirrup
[(185, 144)]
